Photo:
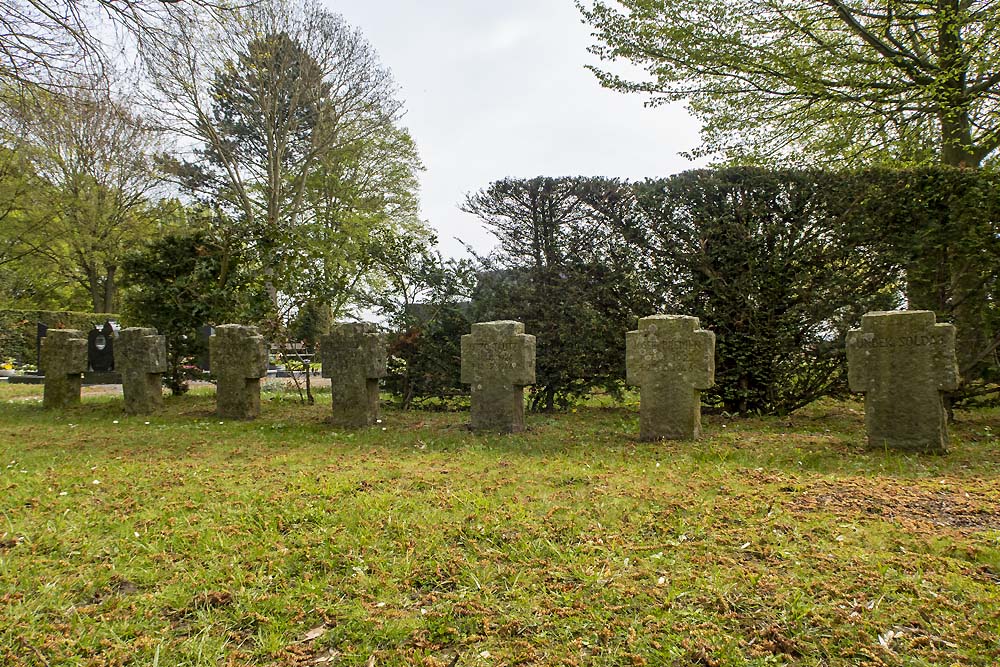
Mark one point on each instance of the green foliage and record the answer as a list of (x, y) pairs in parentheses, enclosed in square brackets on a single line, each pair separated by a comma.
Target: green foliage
[(564, 271), (303, 152), (87, 159), (426, 301), (945, 230), (180, 283), (18, 329), (829, 82), (425, 363), (311, 322), (27, 279), (779, 264)]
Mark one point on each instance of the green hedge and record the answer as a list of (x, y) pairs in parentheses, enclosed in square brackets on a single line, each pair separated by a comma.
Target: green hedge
[(780, 264), (18, 329)]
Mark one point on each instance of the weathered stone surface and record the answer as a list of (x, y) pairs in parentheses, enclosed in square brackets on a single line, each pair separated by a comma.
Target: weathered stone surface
[(141, 358), (354, 358), (672, 361), (239, 361), (64, 359), (902, 361), (498, 360)]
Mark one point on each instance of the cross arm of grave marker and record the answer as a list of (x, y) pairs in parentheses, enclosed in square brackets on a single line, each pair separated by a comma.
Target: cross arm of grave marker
[(142, 349), (64, 351), (670, 344), (498, 352), (238, 351), (885, 335), (353, 347)]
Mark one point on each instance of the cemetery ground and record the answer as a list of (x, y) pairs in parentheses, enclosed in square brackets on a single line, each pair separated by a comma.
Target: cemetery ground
[(180, 539)]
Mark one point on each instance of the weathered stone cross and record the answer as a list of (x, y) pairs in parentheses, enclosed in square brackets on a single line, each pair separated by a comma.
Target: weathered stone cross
[(902, 361), (141, 358), (671, 360), (354, 358), (64, 360), (498, 360), (239, 361)]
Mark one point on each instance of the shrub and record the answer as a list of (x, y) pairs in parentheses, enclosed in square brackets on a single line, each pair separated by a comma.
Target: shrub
[(18, 329)]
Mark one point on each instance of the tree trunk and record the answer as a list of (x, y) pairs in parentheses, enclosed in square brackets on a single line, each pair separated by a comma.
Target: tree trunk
[(953, 99), (956, 139), (110, 290), (309, 395), (97, 290)]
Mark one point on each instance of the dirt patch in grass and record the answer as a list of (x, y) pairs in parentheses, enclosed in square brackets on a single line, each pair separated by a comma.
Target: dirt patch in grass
[(911, 507)]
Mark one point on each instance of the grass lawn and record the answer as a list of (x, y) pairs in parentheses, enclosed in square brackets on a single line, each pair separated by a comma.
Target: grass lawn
[(181, 540)]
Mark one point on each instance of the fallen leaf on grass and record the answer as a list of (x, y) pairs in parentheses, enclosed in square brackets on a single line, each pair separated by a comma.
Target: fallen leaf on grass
[(328, 657), (315, 633), (887, 638)]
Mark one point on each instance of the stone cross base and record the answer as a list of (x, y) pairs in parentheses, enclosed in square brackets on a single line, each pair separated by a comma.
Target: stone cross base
[(355, 405), (668, 411), (238, 398), (497, 409)]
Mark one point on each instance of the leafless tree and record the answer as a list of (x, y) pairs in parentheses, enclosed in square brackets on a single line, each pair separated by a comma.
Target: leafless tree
[(42, 42)]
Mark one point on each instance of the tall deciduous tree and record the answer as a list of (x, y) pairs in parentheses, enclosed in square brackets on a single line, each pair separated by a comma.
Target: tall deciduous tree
[(89, 157), (854, 81), (299, 125)]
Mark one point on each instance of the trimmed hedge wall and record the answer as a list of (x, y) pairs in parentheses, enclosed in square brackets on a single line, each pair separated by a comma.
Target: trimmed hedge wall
[(780, 264), (18, 329)]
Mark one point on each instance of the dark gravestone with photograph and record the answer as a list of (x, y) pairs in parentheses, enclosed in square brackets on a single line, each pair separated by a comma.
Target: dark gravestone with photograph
[(101, 355)]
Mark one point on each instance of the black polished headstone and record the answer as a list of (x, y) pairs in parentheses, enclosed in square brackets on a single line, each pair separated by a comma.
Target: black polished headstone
[(101, 347), (202, 358), (43, 329)]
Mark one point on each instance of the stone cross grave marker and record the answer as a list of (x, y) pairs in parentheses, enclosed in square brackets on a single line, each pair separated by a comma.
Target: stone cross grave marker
[(354, 358), (141, 358), (498, 360), (902, 361), (64, 360), (239, 361), (672, 361)]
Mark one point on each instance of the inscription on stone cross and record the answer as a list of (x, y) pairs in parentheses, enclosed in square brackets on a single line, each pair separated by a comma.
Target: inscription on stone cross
[(354, 358), (141, 358), (64, 360), (902, 361), (239, 361), (498, 360), (672, 361)]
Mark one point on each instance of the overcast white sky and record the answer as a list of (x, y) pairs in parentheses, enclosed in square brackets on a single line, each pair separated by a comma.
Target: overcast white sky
[(497, 89)]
